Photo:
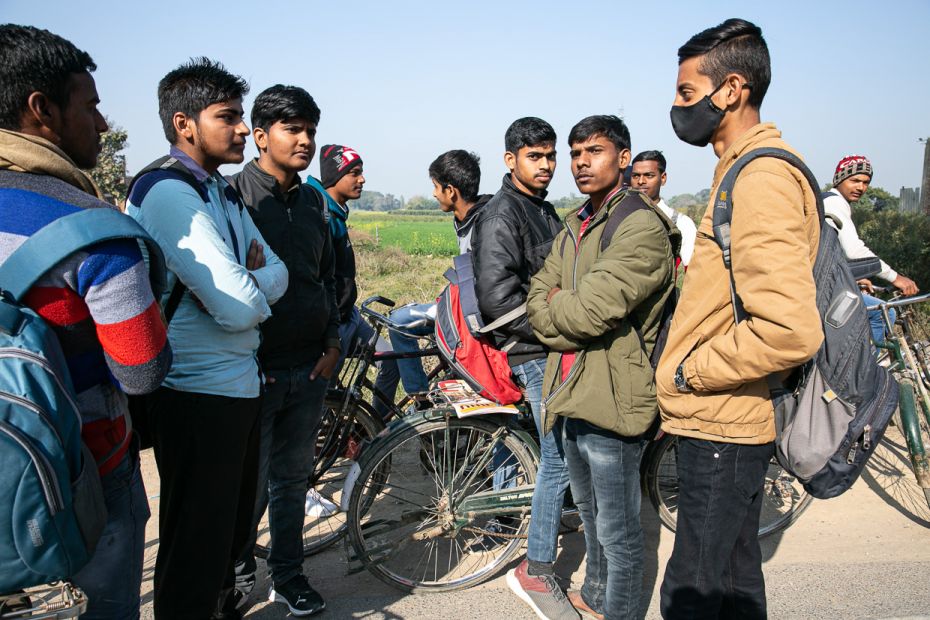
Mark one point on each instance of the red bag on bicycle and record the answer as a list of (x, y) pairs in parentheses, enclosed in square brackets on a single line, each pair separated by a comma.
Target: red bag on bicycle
[(472, 358)]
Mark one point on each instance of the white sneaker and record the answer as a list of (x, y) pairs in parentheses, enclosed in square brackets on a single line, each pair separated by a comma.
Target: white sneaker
[(318, 506)]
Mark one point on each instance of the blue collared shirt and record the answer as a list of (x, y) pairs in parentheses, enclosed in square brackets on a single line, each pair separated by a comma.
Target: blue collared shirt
[(205, 245)]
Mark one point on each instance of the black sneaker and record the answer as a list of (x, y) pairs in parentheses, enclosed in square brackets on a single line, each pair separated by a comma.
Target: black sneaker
[(300, 598)]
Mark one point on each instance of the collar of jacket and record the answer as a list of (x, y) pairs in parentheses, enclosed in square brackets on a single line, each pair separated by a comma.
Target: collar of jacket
[(462, 228), (509, 186), (268, 183), (744, 143), (20, 152), (574, 223)]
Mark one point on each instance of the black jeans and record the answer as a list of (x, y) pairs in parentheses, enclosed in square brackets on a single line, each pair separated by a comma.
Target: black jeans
[(715, 570), (206, 448)]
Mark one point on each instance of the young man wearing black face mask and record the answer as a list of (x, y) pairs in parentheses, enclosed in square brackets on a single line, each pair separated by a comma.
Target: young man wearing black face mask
[(711, 380)]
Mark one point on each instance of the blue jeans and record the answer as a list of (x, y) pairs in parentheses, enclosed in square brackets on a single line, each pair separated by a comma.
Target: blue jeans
[(552, 475), (411, 370), (604, 469), (113, 577), (876, 321), (353, 331), (715, 570), (292, 408)]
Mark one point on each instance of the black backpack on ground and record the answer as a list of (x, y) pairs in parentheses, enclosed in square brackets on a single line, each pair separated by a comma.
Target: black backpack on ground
[(833, 410)]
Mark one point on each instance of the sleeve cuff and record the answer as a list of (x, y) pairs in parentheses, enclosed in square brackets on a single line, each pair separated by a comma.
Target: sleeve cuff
[(691, 376)]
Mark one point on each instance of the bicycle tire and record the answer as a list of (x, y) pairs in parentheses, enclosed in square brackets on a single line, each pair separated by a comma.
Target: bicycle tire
[(323, 531), (401, 518), (785, 498), (917, 331), (920, 432)]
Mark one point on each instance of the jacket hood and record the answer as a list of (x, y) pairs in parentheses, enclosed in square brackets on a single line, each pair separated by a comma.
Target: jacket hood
[(464, 227)]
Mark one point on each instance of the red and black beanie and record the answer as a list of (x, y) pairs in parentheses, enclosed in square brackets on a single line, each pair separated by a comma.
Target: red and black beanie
[(851, 165), (335, 161)]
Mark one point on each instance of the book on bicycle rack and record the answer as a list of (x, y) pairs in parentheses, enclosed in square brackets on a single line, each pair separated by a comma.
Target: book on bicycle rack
[(466, 402)]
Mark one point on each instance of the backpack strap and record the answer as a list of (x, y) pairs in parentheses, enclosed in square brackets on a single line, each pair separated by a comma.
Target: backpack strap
[(723, 209), (69, 234)]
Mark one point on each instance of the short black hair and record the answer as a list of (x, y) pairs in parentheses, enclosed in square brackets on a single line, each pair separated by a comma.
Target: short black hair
[(35, 60), (735, 46), (282, 103), (193, 87), (460, 169), (528, 131), (655, 156), (611, 127)]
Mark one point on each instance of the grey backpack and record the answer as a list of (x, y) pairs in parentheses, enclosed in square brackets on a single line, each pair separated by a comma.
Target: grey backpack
[(831, 411)]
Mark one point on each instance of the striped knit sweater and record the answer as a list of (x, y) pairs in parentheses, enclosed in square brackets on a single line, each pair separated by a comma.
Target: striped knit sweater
[(99, 303)]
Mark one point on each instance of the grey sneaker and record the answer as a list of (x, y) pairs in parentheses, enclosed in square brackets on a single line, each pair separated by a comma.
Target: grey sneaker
[(541, 593)]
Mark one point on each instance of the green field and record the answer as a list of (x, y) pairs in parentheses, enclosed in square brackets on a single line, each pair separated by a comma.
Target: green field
[(418, 235)]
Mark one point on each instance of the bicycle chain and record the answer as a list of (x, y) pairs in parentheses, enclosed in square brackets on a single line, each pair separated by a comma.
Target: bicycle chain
[(477, 530)]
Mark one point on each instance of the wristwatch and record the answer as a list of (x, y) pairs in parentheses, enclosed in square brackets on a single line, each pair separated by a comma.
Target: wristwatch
[(681, 384)]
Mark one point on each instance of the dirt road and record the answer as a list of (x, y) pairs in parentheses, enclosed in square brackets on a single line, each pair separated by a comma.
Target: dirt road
[(865, 554)]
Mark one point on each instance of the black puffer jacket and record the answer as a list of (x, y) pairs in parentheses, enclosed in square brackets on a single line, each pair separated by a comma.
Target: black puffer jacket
[(306, 319), (510, 242)]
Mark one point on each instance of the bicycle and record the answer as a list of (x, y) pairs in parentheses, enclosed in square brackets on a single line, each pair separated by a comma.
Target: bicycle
[(909, 361), (449, 512), (349, 423), (55, 601)]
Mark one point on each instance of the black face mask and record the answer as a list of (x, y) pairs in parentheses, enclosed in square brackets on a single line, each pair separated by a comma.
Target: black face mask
[(695, 124)]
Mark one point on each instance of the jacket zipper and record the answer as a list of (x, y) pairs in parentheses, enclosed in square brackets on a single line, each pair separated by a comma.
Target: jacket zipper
[(42, 362), (574, 367), (19, 400), (47, 477)]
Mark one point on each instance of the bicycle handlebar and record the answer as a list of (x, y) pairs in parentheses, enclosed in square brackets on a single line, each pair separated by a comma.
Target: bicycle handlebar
[(384, 319), (901, 301)]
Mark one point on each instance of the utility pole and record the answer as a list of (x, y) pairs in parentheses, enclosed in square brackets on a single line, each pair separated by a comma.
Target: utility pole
[(925, 184)]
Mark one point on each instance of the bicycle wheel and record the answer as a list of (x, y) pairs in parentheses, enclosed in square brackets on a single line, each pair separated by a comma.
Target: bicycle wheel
[(336, 453), (784, 501), (917, 330), (447, 521)]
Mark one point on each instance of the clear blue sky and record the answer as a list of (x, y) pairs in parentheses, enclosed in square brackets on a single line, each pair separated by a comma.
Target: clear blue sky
[(404, 81)]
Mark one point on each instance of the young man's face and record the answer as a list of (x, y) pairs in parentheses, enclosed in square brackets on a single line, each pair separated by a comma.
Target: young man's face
[(80, 123), (289, 145), (443, 195), (220, 132), (532, 167), (852, 188), (647, 178), (597, 165), (351, 183)]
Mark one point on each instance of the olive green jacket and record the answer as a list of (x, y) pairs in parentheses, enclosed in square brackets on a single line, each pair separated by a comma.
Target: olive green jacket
[(610, 383)]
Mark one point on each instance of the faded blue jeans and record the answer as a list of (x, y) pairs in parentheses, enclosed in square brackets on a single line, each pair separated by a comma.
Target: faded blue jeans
[(292, 408), (604, 469), (411, 370), (876, 320), (552, 475), (113, 577)]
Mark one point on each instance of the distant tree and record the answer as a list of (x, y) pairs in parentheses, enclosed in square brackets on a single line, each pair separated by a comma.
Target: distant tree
[(421, 203), (900, 239), (110, 171), (375, 201), (568, 203)]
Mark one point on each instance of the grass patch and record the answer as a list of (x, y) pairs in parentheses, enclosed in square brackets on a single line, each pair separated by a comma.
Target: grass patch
[(420, 235)]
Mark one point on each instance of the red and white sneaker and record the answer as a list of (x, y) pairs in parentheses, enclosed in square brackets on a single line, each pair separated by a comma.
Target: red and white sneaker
[(542, 593)]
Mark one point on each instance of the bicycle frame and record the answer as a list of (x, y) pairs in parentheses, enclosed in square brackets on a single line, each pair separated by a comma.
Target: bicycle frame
[(906, 365)]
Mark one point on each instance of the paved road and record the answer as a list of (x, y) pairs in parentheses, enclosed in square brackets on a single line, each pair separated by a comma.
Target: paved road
[(865, 554)]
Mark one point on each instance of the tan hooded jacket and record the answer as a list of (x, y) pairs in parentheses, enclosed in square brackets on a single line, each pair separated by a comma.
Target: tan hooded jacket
[(774, 236)]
